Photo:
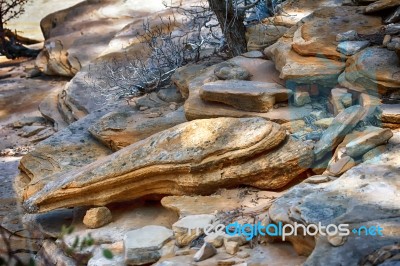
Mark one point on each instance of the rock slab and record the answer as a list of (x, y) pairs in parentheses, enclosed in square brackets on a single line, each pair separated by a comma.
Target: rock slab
[(245, 95), (199, 157)]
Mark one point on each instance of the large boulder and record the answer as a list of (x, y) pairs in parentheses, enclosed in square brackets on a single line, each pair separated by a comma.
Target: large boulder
[(195, 157), (77, 35), (346, 200), (374, 70)]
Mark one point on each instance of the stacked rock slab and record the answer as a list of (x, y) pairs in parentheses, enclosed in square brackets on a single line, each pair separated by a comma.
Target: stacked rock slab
[(190, 79), (250, 96), (195, 157)]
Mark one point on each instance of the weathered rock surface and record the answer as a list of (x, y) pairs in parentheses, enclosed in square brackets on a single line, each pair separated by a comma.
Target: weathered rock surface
[(205, 252), (292, 12), (361, 145), (144, 245), (77, 35), (381, 5), (189, 79), (224, 200), (374, 70), (228, 71), (304, 55), (69, 148), (97, 217), (120, 129), (261, 36), (250, 96), (341, 201), (341, 125), (190, 227), (174, 162), (351, 47)]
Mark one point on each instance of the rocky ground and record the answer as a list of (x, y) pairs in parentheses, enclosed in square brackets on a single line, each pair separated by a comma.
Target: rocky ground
[(304, 128)]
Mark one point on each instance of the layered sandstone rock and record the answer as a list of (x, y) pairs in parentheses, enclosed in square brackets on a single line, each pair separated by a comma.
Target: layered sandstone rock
[(245, 95), (77, 35), (374, 70), (120, 129), (190, 79), (195, 157), (346, 200), (304, 55)]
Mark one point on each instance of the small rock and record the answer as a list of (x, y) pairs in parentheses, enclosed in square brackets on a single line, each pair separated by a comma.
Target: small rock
[(216, 240), (315, 136), (340, 166), (241, 240), (28, 131), (172, 106), (386, 40), (205, 252), (228, 71), (143, 246), (170, 95), (347, 100), (254, 54), (351, 47), (318, 114), (294, 126), (190, 227), (350, 35), (231, 247), (32, 73), (324, 122), (27, 121), (362, 144), (301, 98), (318, 179), (182, 252), (97, 217), (242, 254), (336, 240), (143, 108), (228, 262)]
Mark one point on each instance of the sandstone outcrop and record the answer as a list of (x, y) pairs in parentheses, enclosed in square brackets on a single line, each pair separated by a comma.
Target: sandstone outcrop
[(67, 149), (77, 35), (195, 157), (190, 79), (346, 200), (120, 129), (304, 55)]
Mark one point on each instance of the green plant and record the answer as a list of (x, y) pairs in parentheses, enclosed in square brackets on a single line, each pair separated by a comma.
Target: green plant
[(80, 244)]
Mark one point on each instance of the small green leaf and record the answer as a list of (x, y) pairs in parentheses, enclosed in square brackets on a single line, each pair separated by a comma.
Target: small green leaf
[(76, 242), (108, 254)]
